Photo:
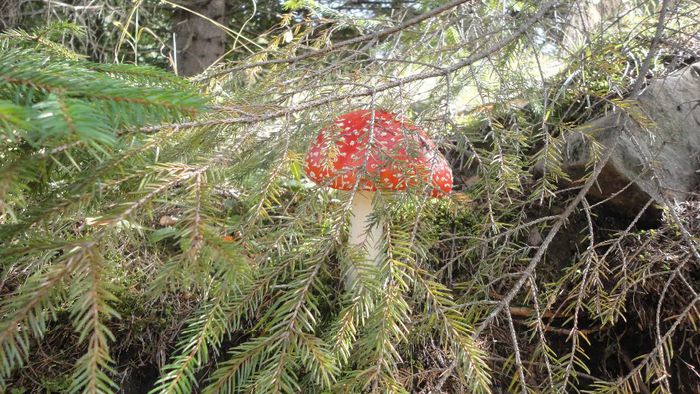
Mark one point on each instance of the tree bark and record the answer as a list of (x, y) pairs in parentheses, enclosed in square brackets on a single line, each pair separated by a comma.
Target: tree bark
[(10, 14), (200, 42), (587, 18)]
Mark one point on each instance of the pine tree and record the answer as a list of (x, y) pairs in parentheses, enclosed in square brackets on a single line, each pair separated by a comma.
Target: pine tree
[(70, 137), (124, 186)]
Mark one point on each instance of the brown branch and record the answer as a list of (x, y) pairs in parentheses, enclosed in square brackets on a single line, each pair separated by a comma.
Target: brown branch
[(660, 26), (525, 312), (628, 362)]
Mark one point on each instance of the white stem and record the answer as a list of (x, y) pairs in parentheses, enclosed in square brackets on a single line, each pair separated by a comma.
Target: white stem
[(368, 239)]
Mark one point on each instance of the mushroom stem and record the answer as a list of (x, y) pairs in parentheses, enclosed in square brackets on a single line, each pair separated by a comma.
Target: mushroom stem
[(361, 234)]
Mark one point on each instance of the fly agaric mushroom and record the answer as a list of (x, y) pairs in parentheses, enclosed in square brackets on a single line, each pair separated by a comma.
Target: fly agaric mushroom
[(380, 152)]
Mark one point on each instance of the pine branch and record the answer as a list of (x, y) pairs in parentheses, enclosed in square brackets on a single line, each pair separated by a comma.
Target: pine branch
[(27, 311), (357, 40), (203, 336), (90, 309), (310, 104)]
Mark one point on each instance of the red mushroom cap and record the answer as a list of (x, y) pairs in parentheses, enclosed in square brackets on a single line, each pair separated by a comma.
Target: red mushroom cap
[(400, 156)]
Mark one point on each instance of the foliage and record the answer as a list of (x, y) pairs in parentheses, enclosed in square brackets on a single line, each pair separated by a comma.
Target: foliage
[(132, 216), (130, 31), (66, 123)]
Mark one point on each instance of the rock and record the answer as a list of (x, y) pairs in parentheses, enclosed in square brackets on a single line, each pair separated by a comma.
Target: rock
[(661, 132), (586, 18), (534, 237)]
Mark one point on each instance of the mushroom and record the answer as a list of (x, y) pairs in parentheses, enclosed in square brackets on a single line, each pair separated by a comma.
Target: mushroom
[(374, 151)]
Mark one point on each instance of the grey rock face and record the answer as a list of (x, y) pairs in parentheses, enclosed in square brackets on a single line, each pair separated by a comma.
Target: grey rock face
[(658, 144)]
